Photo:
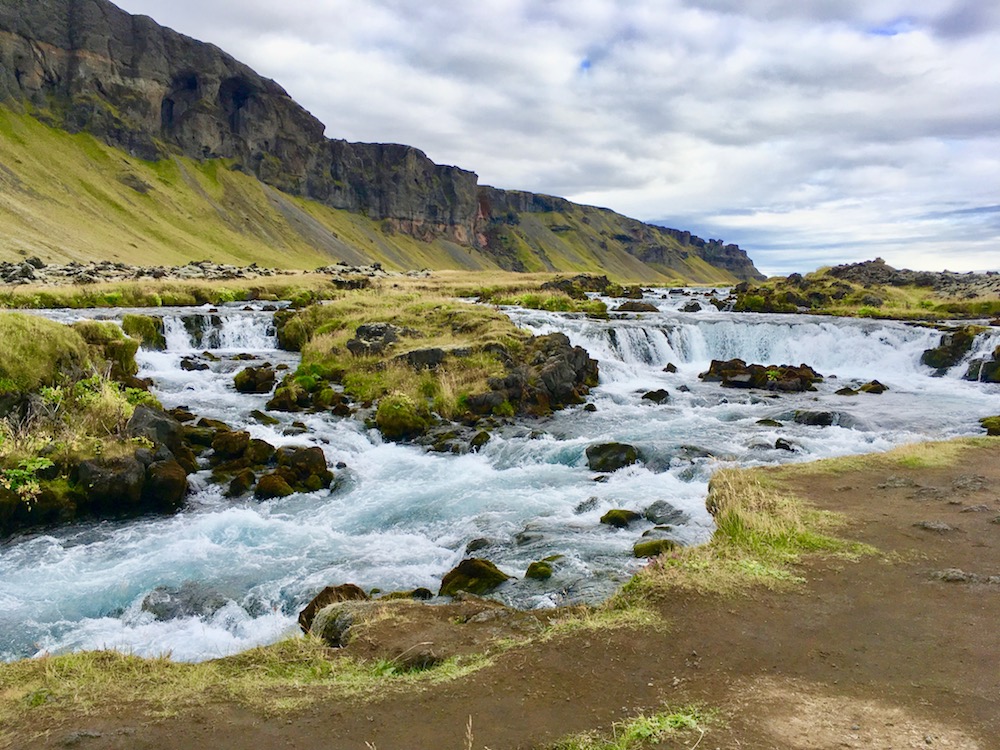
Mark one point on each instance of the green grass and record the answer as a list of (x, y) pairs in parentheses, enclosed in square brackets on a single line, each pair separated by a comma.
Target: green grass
[(643, 730), (428, 321), (762, 531), (38, 352), (288, 675)]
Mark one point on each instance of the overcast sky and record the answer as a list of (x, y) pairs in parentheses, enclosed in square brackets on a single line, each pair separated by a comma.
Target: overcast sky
[(808, 132)]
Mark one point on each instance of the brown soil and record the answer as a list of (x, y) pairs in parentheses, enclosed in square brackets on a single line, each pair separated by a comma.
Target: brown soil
[(873, 654)]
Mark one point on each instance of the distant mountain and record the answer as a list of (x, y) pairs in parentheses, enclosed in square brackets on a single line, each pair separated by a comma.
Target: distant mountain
[(213, 151)]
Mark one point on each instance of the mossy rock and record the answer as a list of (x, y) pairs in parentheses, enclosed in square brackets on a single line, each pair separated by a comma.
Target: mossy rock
[(608, 457), (874, 387), (271, 486), (653, 547), (399, 417), (474, 575), (147, 329), (769, 423), (620, 518), (109, 343), (991, 425), (241, 483), (540, 570)]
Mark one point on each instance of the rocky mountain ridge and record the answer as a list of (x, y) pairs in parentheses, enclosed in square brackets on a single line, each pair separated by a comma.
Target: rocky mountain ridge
[(88, 66)]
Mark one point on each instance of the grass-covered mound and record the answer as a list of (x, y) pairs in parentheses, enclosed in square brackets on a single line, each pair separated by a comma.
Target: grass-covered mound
[(66, 395), (468, 338)]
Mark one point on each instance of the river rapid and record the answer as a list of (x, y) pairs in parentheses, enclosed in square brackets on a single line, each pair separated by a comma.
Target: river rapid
[(400, 517)]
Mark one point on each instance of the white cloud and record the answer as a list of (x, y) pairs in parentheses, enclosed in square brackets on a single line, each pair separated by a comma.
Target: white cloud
[(807, 132)]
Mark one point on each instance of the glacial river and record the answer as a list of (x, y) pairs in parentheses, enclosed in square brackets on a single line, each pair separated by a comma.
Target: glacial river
[(400, 517)]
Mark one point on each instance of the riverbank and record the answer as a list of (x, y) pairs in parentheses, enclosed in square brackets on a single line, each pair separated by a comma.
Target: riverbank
[(889, 649)]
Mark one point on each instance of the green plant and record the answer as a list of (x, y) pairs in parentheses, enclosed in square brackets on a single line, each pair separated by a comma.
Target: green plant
[(23, 479)]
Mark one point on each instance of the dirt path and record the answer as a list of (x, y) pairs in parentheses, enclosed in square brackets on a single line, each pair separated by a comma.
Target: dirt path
[(876, 654)]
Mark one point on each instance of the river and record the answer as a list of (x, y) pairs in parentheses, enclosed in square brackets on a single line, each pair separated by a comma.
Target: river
[(400, 517)]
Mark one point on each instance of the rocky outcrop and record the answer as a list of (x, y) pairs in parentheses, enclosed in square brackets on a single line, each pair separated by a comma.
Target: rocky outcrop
[(735, 373), (86, 65), (548, 374)]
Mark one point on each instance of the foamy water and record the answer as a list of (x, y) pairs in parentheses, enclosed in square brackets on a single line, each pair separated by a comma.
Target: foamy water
[(400, 517)]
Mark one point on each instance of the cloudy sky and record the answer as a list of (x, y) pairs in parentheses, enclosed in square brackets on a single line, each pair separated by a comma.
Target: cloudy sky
[(809, 132)]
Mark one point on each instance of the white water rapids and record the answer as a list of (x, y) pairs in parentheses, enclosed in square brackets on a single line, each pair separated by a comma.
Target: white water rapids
[(400, 517)]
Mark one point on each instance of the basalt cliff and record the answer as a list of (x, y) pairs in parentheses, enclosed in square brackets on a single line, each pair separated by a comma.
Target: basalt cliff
[(86, 66)]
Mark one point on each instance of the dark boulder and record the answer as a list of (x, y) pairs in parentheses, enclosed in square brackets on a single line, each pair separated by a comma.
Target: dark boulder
[(735, 373), (634, 306), (193, 364), (346, 592), (372, 339), (423, 359), (255, 379), (113, 486), (985, 370), (954, 346), (166, 485), (474, 575), (307, 467), (156, 426), (241, 483), (691, 307), (659, 396), (608, 457)]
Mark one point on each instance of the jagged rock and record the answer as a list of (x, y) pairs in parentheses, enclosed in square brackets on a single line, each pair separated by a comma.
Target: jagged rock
[(192, 364), (373, 338), (608, 457), (783, 445), (346, 592), (985, 370), (691, 307), (423, 359), (736, 373), (474, 575)]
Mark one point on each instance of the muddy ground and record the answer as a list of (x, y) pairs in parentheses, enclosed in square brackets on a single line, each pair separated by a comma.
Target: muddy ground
[(887, 652)]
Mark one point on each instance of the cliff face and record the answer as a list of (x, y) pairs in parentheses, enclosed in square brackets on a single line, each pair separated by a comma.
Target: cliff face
[(86, 65)]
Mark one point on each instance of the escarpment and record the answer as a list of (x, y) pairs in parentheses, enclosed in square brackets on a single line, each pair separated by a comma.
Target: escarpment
[(88, 66)]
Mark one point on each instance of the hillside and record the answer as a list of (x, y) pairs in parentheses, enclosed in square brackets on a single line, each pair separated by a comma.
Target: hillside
[(123, 139)]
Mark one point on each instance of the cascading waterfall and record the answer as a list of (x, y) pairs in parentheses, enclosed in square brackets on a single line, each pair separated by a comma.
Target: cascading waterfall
[(400, 517)]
